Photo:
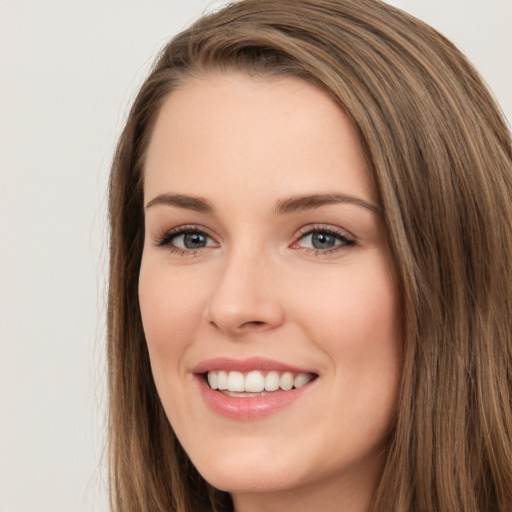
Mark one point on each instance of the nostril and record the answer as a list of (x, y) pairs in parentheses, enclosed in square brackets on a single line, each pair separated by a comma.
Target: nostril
[(254, 323)]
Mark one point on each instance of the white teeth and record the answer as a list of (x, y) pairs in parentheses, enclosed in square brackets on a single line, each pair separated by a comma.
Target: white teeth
[(236, 381), (286, 381), (272, 381), (256, 381), (213, 379), (301, 380), (222, 380)]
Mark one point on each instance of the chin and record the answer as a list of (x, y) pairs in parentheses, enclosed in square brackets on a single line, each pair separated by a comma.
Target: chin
[(248, 480), (246, 474)]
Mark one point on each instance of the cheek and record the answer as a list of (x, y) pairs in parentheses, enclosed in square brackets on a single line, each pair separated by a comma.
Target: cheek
[(357, 325), (171, 310), (359, 305), (359, 330)]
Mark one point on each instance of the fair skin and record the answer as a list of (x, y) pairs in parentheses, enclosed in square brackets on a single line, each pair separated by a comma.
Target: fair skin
[(241, 272)]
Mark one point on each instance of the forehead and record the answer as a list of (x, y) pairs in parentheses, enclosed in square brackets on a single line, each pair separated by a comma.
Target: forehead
[(254, 132)]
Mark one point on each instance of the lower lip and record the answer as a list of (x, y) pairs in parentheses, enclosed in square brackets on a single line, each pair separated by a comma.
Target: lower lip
[(248, 408)]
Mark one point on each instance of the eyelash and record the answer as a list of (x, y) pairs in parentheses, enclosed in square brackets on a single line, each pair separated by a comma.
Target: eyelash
[(345, 240), (167, 238)]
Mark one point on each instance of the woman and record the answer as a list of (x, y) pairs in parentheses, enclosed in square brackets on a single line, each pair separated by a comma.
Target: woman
[(310, 301)]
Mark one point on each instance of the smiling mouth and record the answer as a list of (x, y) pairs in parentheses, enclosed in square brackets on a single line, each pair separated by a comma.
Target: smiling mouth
[(256, 383)]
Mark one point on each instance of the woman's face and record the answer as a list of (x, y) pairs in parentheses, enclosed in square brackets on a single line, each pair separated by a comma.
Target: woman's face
[(265, 268)]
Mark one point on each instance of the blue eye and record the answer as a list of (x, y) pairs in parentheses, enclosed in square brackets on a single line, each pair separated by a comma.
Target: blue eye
[(323, 240), (191, 241), (185, 239), (320, 240)]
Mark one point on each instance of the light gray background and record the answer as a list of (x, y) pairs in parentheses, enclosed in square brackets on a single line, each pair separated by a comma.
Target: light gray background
[(68, 71)]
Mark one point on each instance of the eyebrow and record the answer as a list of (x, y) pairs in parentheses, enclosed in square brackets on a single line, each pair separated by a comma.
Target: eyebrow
[(197, 204), (283, 206), (308, 202)]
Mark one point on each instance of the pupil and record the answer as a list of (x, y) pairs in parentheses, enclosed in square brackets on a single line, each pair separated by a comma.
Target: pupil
[(194, 240), (323, 241)]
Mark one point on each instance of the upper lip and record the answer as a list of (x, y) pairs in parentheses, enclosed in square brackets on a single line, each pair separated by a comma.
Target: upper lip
[(246, 365)]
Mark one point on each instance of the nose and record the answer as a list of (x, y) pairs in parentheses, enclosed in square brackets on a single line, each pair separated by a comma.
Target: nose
[(246, 294)]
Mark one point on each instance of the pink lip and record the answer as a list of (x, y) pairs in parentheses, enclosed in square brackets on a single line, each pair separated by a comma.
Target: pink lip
[(247, 408), (245, 365)]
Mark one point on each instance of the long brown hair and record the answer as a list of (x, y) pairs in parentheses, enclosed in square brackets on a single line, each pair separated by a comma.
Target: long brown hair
[(440, 157)]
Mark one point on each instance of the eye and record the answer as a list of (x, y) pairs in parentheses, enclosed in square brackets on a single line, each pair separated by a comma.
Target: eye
[(192, 241), (185, 239), (323, 240)]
